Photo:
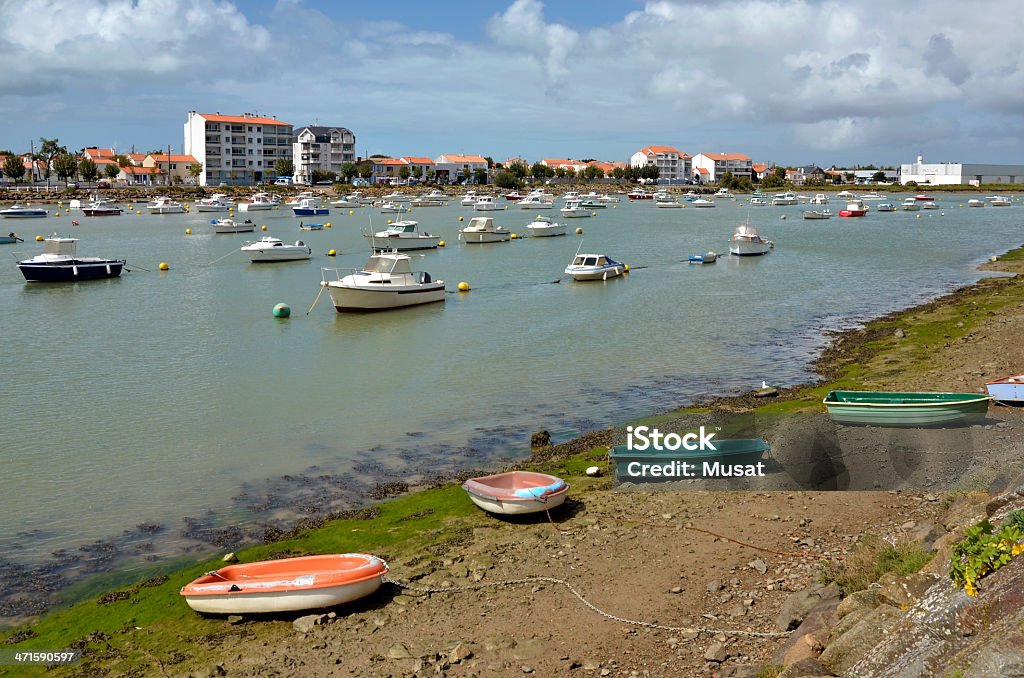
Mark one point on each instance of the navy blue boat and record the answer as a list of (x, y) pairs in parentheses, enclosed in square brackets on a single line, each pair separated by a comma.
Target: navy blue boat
[(59, 263)]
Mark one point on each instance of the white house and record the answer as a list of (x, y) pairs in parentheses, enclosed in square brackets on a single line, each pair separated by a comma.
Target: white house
[(709, 167), (453, 167), (322, 148), (672, 163), (938, 174), (236, 149)]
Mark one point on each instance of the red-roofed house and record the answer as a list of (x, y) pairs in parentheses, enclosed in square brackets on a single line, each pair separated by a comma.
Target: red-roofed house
[(672, 164), (95, 154), (760, 170), (718, 164), (563, 163), (136, 158), (387, 170), (140, 176), (173, 168), (236, 149), (420, 166), (453, 167)]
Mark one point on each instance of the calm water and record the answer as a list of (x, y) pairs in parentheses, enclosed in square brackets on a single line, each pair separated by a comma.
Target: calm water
[(158, 396)]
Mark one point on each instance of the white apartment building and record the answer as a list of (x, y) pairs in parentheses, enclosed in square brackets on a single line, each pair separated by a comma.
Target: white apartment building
[(236, 149), (322, 148), (937, 174), (672, 164), (709, 167)]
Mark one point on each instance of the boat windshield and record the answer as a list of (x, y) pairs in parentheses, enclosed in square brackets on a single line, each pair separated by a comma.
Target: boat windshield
[(387, 265)]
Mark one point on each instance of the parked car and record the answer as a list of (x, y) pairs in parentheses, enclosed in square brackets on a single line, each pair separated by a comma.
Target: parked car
[(283, 181), (103, 184)]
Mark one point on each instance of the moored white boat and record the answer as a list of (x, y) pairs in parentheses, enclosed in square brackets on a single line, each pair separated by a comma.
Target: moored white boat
[(819, 199), (483, 230), (59, 262), (232, 226), (268, 248), (386, 281), (537, 202), (516, 492), (544, 227), (818, 214), (999, 201), (910, 205), (310, 207), (101, 208), (164, 205), (746, 241), (218, 202), (724, 194), (25, 211), (974, 202), (487, 203), (929, 205), (854, 208), (885, 207), (785, 198), (594, 267), (667, 203), (259, 202), (469, 199), (702, 202), (574, 209), (873, 196), (390, 207), (402, 236), (286, 584)]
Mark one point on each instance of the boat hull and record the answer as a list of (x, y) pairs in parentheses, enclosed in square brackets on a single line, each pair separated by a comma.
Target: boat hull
[(1008, 391), (852, 213), (749, 249), (286, 585), (404, 244), (71, 272), (545, 231), (517, 492), (166, 210), (602, 273), (248, 228), (310, 212), (269, 255), (33, 214), (356, 299), (212, 208), (247, 207), (485, 237), (101, 211), (904, 409)]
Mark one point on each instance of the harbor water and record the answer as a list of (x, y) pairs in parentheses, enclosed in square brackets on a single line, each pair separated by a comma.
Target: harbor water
[(163, 402)]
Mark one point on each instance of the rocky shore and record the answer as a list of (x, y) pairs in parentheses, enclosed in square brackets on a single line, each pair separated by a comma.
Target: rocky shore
[(754, 583)]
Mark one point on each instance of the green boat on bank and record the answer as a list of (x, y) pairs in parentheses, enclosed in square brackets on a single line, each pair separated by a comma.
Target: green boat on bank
[(882, 408)]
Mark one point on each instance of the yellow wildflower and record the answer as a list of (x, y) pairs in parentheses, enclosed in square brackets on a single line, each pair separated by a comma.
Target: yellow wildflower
[(1017, 550), (969, 588)]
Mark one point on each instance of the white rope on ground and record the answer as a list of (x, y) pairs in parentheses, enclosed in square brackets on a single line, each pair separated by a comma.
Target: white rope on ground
[(607, 615)]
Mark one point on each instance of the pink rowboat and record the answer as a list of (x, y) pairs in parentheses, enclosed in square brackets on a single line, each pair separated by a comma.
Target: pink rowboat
[(516, 492), (286, 585)]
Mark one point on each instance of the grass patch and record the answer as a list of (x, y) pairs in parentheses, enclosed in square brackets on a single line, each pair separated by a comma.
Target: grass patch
[(871, 559), (769, 671)]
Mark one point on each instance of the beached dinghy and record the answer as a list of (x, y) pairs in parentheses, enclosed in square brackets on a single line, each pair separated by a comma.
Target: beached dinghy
[(516, 492), (882, 408), (1008, 390), (286, 585)]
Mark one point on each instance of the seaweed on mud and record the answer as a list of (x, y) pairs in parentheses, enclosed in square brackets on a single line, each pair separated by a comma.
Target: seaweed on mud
[(113, 597), (158, 580), (387, 490), (18, 636), (418, 514)]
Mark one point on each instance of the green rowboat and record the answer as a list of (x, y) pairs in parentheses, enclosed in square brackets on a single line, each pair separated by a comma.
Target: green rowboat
[(882, 408)]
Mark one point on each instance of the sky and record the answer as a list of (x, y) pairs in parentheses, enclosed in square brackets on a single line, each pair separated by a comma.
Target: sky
[(789, 82)]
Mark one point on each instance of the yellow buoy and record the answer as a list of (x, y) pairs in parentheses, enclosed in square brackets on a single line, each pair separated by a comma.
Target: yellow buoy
[(188, 231), (163, 266), (327, 225), (463, 286), (263, 227), (351, 212), (138, 212), (39, 238), (57, 215), (440, 243), (331, 253), (579, 231), (593, 214), (626, 268), (614, 206), (460, 218), (389, 221), (514, 236)]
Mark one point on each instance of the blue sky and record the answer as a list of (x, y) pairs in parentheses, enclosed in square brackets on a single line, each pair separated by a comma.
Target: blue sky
[(784, 81)]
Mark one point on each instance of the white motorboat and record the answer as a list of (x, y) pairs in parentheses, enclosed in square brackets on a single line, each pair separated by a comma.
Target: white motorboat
[(885, 207), (537, 202), (232, 226), (819, 199), (269, 248), (310, 207), (259, 202), (386, 281), (398, 196), (929, 205), (786, 198), (999, 201), (746, 241), (574, 209), (218, 202), (818, 214), (483, 230), (297, 200), (724, 194), (845, 195), (604, 197), (759, 201), (347, 201), (59, 262), (544, 227), (429, 201), (702, 202), (873, 196), (437, 194), (402, 236), (23, 212), (911, 205), (390, 207), (594, 267), (470, 198), (165, 205), (486, 203), (668, 203), (974, 202), (101, 208), (571, 195)]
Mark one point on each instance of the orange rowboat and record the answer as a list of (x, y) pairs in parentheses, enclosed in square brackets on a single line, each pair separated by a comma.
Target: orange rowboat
[(516, 492), (286, 585)]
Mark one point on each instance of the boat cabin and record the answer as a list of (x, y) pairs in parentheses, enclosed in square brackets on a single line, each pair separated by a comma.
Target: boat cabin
[(480, 224), (60, 246), (591, 260), (388, 263)]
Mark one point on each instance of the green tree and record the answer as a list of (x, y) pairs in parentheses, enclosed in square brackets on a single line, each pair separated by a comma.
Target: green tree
[(319, 175), (772, 180), (87, 169), (417, 171), (14, 167), (850, 177), (349, 171), (64, 165), (366, 169), (650, 172), (726, 180), (480, 175), (112, 170), (619, 172), (878, 177), (431, 173), (743, 184), (404, 173), (590, 173), (284, 167), (506, 179), (538, 170), (518, 170), (122, 160), (48, 149), (194, 170)]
